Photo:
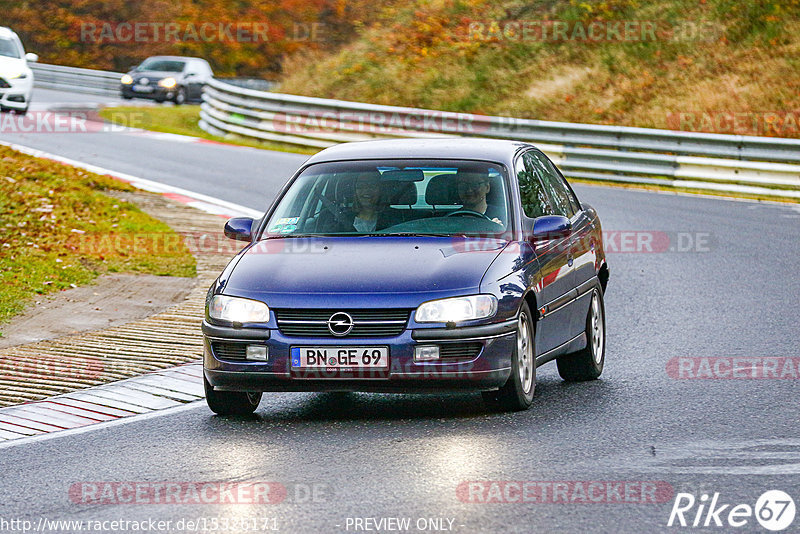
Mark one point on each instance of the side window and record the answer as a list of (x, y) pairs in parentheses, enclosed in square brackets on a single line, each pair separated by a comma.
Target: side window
[(534, 199), (555, 187), (563, 186)]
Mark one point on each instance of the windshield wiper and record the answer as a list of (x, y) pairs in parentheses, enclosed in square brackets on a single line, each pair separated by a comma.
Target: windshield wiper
[(372, 234), (416, 234), (287, 236)]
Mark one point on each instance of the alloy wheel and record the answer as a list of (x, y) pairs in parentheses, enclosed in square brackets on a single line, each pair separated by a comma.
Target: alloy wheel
[(525, 353)]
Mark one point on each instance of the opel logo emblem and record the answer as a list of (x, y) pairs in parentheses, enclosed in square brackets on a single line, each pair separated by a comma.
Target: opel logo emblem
[(144, 81), (340, 324)]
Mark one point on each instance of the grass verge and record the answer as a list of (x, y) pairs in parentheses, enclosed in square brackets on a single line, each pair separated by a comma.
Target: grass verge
[(723, 66), (58, 229), (183, 120)]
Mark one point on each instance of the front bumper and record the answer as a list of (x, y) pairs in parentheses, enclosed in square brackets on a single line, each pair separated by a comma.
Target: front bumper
[(487, 365), (18, 96), (158, 92)]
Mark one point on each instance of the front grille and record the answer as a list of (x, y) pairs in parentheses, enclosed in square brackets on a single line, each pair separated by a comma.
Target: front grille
[(459, 351), (4, 84), (229, 351), (366, 323)]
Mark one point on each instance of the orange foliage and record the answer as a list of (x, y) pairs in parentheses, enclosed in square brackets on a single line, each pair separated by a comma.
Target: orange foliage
[(89, 33)]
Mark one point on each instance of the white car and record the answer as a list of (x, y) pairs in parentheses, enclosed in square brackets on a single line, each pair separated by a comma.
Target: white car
[(16, 78)]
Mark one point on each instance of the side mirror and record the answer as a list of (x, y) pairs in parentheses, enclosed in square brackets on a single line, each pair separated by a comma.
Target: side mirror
[(550, 227), (239, 228), (31, 58)]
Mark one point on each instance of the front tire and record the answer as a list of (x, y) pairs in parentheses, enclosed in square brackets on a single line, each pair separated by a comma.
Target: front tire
[(231, 402), (180, 96), (587, 363), (517, 393)]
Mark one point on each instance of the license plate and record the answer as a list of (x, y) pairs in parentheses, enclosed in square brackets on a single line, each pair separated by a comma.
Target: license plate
[(143, 88), (339, 357)]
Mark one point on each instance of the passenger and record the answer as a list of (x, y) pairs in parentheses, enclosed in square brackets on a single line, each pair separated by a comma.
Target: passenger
[(370, 213)]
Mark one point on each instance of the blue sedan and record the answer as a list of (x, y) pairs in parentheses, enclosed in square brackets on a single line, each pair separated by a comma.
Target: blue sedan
[(410, 266)]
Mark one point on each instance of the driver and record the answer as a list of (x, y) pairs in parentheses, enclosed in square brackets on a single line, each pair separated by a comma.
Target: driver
[(370, 211), (472, 187)]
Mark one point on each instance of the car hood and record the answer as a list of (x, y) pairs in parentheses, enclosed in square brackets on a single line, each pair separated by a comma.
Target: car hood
[(437, 266), (10, 65)]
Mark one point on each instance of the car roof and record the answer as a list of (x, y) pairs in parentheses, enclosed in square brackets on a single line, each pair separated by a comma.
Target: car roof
[(6, 32), (498, 150), (180, 58)]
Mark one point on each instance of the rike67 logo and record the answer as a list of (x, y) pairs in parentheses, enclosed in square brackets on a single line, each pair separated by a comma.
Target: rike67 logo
[(774, 510)]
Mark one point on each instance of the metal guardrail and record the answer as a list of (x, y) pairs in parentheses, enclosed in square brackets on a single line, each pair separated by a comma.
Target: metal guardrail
[(104, 82), (99, 82), (762, 165), (638, 155)]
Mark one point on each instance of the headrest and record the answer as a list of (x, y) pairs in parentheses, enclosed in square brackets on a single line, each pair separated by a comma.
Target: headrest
[(346, 184), (392, 191), (441, 190), (400, 193)]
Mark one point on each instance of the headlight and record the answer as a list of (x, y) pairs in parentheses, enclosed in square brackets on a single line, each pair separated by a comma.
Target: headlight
[(167, 83), (457, 309), (126, 79), (237, 310), (19, 75)]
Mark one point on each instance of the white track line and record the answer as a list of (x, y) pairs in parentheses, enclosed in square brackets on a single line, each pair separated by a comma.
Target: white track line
[(205, 203), (100, 426), (145, 395)]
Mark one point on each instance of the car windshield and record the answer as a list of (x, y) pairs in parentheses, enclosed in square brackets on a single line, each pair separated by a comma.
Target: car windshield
[(394, 197), (161, 65), (9, 48)]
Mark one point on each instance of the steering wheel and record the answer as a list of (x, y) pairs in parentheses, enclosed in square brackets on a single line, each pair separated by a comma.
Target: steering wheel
[(471, 213)]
